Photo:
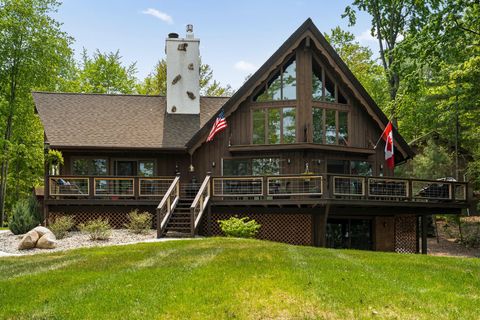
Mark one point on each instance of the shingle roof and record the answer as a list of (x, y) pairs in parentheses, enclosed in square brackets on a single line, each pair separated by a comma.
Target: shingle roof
[(118, 121)]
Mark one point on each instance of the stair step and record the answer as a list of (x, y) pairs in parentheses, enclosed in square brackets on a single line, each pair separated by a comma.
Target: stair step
[(177, 234)]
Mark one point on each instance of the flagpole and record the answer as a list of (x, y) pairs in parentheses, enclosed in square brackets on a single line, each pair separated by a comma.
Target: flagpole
[(376, 144)]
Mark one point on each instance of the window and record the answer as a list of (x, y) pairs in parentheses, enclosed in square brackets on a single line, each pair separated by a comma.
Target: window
[(353, 167), (89, 167), (330, 126), (237, 167), (146, 168), (266, 166), (259, 126), (274, 125), (255, 166), (282, 86), (323, 87)]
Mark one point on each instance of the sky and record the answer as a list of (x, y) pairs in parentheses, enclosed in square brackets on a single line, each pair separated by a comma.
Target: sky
[(236, 37)]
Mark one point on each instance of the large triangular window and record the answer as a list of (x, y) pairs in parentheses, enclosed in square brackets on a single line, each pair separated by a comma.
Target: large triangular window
[(282, 86)]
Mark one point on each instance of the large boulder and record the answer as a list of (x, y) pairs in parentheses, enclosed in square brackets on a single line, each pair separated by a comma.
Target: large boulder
[(29, 240), (47, 241), (42, 231)]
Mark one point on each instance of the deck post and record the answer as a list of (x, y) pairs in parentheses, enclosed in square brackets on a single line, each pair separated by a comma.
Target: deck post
[(320, 227), (424, 234)]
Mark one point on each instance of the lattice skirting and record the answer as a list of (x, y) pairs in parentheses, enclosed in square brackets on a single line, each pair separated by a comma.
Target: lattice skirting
[(288, 228), (406, 234), (117, 215)]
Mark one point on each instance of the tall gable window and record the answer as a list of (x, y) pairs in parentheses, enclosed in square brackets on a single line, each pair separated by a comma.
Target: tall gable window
[(282, 86), (273, 125), (330, 126), (323, 87)]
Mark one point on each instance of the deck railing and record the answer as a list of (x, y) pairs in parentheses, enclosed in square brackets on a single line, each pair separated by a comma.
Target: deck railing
[(272, 187), (69, 186), (282, 186), (107, 187), (200, 203), (330, 186), (167, 205)]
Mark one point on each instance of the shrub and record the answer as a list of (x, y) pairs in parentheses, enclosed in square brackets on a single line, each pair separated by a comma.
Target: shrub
[(24, 217), (98, 229), (239, 227), (139, 222), (61, 225)]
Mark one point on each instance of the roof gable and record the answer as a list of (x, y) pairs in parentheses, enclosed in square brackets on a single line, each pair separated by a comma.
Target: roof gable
[(306, 31)]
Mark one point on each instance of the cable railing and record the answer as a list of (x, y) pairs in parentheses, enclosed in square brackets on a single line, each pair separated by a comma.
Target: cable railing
[(269, 187), (329, 186), (107, 187)]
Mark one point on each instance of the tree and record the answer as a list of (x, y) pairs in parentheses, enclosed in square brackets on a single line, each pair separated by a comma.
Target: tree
[(156, 82), (105, 73), (33, 49), (392, 20), (359, 60)]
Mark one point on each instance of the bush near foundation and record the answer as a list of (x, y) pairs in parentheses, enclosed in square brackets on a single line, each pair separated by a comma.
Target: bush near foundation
[(239, 227), (98, 229), (139, 222), (61, 226)]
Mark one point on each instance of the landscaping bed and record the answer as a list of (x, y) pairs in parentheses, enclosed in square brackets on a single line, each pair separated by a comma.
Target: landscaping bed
[(75, 239)]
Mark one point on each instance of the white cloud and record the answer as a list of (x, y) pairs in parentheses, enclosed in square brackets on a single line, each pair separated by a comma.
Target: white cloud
[(245, 66), (159, 14), (366, 36)]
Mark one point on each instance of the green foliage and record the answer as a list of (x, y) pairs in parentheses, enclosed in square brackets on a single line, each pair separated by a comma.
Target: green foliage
[(434, 162), (360, 61), (24, 216), (33, 49), (105, 73), (54, 157), (156, 82), (239, 227), (98, 229), (139, 222), (61, 225)]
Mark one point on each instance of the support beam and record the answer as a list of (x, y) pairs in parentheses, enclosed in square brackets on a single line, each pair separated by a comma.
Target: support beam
[(424, 234), (321, 227)]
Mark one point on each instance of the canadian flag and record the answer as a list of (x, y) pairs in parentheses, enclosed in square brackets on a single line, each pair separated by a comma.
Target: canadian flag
[(387, 135)]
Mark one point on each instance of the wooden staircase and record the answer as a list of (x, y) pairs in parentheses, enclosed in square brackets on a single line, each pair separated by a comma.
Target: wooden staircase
[(183, 207), (180, 223)]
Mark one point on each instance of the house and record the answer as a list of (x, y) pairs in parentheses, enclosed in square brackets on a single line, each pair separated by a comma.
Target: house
[(298, 155)]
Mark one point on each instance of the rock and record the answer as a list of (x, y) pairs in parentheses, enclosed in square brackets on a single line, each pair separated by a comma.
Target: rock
[(29, 240), (47, 241), (42, 231)]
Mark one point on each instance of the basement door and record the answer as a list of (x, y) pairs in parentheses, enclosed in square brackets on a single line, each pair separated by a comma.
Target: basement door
[(349, 233)]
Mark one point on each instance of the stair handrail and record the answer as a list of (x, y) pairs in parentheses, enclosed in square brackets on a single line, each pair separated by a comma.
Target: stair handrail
[(200, 203), (167, 204)]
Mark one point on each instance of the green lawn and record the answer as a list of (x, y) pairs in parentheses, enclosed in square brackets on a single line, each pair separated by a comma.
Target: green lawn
[(222, 278)]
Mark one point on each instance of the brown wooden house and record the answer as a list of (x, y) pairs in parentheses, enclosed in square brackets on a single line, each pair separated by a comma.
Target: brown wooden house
[(297, 155)]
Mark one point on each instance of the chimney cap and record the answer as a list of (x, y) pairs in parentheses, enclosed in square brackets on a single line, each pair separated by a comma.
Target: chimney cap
[(173, 35), (189, 27)]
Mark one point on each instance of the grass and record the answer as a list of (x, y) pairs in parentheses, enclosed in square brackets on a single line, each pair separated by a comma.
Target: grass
[(220, 278), (3, 228)]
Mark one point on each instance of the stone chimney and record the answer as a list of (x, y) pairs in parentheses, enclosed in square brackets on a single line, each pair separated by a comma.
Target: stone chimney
[(183, 73)]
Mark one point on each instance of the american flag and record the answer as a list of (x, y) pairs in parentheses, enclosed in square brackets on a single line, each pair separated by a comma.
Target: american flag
[(219, 125)]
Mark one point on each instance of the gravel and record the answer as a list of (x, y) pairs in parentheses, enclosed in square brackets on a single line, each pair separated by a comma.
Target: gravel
[(9, 241)]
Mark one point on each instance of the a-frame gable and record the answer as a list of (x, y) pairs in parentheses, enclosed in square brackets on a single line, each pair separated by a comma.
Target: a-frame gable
[(309, 34)]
